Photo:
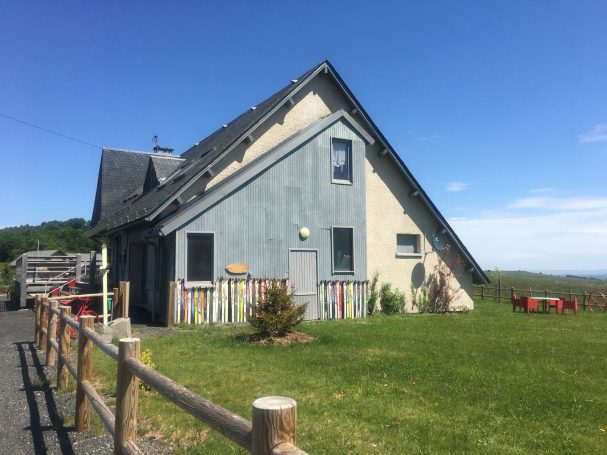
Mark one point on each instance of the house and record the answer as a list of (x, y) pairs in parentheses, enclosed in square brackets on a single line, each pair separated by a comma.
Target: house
[(302, 187)]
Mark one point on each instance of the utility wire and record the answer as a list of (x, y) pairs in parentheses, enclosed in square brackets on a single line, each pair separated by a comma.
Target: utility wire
[(49, 131)]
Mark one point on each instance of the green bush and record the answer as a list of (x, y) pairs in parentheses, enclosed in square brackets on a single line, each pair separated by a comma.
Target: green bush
[(373, 295), (392, 300), (278, 315), (419, 298)]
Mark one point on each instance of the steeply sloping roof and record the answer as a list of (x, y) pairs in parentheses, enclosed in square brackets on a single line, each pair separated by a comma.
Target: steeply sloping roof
[(121, 172), (206, 152), (159, 168)]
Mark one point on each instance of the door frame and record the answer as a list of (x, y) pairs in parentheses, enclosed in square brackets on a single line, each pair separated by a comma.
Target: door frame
[(310, 250)]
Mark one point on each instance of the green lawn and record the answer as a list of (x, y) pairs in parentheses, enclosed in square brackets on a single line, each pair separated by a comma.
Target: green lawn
[(486, 381)]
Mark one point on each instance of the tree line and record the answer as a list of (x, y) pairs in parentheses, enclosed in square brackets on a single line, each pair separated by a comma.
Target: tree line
[(67, 236)]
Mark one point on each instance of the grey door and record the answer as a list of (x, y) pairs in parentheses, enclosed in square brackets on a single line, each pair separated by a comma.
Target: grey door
[(304, 280)]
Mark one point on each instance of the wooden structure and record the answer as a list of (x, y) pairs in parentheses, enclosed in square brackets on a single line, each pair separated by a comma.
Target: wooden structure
[(272, 431), (40, 272)]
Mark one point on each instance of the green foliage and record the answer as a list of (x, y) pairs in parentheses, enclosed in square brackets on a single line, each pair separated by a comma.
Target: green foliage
[(279, 314), (373, 295), (392, 300), (419, 298), (7, 275), (67, 236), (146, 358)]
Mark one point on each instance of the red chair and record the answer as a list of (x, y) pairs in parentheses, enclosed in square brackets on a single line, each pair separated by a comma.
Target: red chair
[(570, 305), (528, 304), (516, 302), (556, 304), (55, 292)]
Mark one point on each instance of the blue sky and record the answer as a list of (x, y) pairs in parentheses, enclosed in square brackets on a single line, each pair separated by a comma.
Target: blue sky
[(498, 108)]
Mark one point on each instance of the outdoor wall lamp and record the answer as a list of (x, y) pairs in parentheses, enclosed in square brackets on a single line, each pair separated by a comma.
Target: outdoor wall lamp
[(304, 233)]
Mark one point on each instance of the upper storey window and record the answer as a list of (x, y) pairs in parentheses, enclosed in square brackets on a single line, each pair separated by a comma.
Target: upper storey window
[(341, 161)]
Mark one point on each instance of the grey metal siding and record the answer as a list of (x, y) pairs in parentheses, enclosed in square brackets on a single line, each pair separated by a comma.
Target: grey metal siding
[(259, 222)]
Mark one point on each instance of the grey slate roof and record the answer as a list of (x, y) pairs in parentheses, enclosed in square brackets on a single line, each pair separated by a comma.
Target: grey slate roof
[(159, 168), (201, 156), (122, 175)]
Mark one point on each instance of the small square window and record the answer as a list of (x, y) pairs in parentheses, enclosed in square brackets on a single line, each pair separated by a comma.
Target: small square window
[(200, 257), (407, 244), (341, 161), (343, 249)]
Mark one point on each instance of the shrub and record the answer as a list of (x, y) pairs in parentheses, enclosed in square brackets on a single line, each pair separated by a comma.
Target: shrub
[(441, 292), (419, 298), (373, 295), (392, 300), (146, 358), (278, 315)]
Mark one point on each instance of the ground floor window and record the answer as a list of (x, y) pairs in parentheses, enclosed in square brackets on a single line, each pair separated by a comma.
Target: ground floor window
[(199, 257), (343, 249)]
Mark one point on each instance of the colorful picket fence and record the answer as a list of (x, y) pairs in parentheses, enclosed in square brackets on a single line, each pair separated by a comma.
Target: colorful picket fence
[(232, 300), (343, 299)]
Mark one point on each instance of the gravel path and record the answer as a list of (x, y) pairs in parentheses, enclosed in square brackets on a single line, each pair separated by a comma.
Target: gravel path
[(34, 418)]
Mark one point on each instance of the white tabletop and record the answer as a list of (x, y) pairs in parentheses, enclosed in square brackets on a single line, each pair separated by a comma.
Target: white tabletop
[(544, 298)]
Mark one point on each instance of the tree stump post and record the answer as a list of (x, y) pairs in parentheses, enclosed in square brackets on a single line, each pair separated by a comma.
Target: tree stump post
[(64, 347), (85, 370), (274, 423), (127, 388), (51, 331)]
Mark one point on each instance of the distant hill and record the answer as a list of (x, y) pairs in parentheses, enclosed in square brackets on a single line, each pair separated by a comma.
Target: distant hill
[(538, 281), (67, 236)]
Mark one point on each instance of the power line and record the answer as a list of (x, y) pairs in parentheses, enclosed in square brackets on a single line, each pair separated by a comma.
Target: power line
[(49, 131)]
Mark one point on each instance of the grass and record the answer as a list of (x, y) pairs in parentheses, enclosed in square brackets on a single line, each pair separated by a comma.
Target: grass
[(485, 381)]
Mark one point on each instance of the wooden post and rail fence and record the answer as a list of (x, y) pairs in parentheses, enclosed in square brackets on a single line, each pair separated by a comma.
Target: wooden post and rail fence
[(274, 423), (499, 292)]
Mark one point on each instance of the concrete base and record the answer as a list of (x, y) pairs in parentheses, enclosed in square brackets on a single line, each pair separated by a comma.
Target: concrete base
[(121, 328), (105, 331)]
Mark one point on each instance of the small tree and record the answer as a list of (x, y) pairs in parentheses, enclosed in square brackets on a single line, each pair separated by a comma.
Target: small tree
[(278, 314), (441, 292)]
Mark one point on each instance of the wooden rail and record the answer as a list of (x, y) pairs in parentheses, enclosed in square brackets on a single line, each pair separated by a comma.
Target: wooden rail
[(272, 430)]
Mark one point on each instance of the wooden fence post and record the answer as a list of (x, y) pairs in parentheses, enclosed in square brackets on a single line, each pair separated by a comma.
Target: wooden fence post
[(43, 323), (64, 347), (512, 294), (23, 282), (125, 287), (37, 319), (274, 423), (51, 332), (499, 290), (570, 295), (545, 292), (85, 370), (482, 292), (171, 305), (127, 387)]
